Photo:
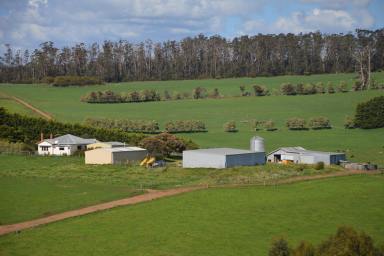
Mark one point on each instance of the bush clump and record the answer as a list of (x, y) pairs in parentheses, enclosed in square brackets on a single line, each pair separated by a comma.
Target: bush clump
[(260, 90), (349, 123), (296, 123), (370, 114), (230, 126), (320, 122), (288, 89)]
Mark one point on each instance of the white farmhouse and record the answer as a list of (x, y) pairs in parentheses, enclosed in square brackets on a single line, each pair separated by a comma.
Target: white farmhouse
[(63, 145)]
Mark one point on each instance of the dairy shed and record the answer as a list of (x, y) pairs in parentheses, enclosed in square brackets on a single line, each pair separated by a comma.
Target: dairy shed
[(119, 155)]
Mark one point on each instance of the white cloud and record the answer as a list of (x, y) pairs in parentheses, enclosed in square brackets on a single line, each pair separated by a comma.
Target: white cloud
[(326, 20), (31, 22)]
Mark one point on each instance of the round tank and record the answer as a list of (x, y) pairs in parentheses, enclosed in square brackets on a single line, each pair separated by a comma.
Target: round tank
[(257, 144)]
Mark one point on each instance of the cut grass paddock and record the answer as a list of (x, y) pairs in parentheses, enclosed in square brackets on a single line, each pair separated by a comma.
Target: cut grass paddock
[(31, 187), (24, 198), (237, 221), (360, 145)]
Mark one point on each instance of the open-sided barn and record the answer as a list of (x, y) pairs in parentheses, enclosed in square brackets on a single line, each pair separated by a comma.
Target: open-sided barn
[(304, 156)]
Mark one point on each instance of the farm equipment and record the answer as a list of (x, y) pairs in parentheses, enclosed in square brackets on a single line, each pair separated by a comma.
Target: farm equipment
[(148, 161)]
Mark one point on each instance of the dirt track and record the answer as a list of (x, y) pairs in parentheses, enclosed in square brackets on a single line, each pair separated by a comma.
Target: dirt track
[(151, 195), (29, 106)]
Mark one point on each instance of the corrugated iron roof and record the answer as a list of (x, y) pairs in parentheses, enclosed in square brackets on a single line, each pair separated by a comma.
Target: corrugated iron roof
[(221, 151), (70, 139), (120, 149), (301, 150)]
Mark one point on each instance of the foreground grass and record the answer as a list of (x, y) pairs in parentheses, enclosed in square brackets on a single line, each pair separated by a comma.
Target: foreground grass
[(32, 187), (24, 198), (238, 221)]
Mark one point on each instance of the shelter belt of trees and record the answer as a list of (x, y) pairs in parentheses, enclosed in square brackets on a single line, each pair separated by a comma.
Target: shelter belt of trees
[(201, 57)]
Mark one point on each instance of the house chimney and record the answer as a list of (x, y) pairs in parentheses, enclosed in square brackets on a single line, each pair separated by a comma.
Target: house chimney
[(41, 136), (51, 136)]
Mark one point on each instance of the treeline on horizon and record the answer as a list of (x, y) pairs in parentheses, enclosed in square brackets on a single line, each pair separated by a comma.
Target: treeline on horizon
[(201, 57)]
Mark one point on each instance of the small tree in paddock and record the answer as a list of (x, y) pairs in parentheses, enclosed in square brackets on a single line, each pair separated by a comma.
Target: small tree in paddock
[(215, 94), (230, 126), (167, 95), (343, 87), (199, 93), (349, 123), (279, 247), (260, 90), (320, 122), (296, 123), (304, 249), (330, 88), (300, 88), (320, 87), (269, 125), (288, 89)]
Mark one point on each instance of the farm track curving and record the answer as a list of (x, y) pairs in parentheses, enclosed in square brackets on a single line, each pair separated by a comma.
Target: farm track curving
[(29, 106), (156, 194)]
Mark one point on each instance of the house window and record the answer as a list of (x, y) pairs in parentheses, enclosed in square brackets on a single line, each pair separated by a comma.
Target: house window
[(61, 148), (44, 148), (78, 147)]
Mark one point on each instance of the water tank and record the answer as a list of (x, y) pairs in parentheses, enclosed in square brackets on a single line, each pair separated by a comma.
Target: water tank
[(257, 144)]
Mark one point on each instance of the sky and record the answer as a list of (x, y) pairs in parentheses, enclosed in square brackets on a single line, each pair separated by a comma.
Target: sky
[(26, 23)]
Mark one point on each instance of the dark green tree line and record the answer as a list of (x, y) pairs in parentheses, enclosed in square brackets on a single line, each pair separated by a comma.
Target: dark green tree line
[(201, 57)]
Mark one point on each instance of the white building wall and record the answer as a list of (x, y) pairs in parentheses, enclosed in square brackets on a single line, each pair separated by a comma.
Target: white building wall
[(200, 160)]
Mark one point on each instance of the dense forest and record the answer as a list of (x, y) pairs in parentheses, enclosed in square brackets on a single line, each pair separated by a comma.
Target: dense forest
[(201, 57)]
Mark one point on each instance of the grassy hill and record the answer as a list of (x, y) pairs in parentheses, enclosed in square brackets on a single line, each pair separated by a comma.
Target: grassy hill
[(360, 145), (237, 221)]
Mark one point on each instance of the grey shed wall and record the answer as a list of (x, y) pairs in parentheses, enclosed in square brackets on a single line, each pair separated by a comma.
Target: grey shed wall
[(245, 159), (120, 157), (193, 159), (196, 159)]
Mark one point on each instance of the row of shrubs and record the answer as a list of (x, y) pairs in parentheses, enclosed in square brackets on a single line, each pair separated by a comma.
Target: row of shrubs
[(294, 123), (308, 89), (64, 81), (315, 123), (146, 95), (185, 126), (145, 126), (267, 125)]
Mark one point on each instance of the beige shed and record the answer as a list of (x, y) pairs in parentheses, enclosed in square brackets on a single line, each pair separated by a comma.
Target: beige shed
[(115, 155)]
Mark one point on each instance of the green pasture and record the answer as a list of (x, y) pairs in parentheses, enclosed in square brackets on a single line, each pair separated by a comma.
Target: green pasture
[(33, 186), (236, 221), (25, 198), (361, 145)]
